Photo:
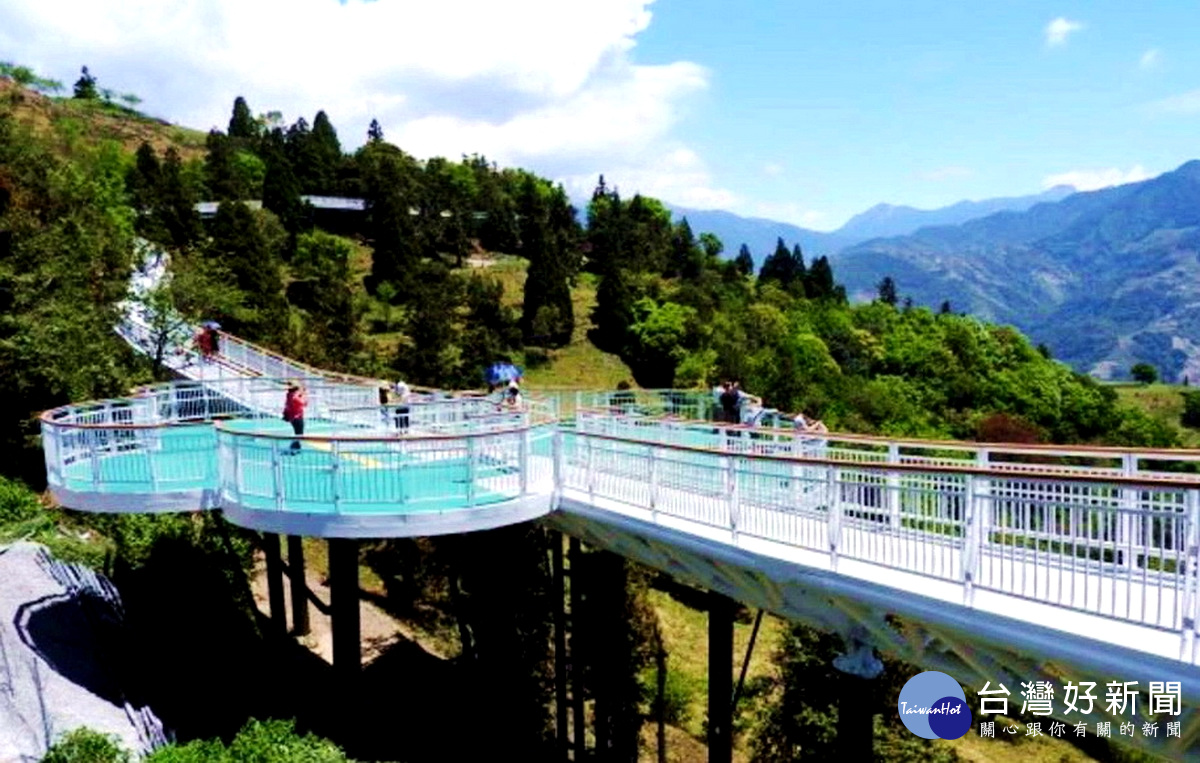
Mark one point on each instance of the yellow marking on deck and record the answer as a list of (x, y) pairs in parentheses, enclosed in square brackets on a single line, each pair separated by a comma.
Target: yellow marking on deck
[(366, 461)]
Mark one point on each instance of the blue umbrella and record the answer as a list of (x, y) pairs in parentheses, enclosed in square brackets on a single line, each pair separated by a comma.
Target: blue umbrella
[(498, 373), (211, 325)]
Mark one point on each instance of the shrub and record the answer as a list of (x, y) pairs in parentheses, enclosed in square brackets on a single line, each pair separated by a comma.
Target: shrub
[(84, 745), (258, 741), (1191, 409), (17, 502)]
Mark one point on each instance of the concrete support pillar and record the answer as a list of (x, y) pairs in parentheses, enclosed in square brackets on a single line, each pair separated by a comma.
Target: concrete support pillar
[(561, 722), (270, 544), (858, 669), (298, 586), (343, 594), (579, 720), (720, 678)]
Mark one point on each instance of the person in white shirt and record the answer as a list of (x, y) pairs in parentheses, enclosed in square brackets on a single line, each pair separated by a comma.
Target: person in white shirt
[(400, 393)]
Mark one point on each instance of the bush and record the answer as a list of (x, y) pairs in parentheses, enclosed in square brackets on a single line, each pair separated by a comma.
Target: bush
[(258, 741), (1144, 373), (1191, 409), (86, 746), (17, 502)]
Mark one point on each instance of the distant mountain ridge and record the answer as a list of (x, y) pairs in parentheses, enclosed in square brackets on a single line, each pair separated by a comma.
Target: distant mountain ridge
[(760, 234), (884, 220), (1104, 278)]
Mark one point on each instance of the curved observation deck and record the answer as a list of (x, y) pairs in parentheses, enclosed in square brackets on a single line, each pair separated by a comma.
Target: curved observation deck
[(431, 466)]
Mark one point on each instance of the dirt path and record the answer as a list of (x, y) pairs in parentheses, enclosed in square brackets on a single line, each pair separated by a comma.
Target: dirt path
[(379, 630)]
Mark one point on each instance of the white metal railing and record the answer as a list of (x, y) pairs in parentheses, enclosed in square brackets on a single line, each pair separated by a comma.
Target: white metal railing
[(1120, 546), (432, 414), (381, 475)]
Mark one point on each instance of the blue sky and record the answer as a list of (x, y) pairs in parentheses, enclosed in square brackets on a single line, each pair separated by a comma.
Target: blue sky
[(801, 111)]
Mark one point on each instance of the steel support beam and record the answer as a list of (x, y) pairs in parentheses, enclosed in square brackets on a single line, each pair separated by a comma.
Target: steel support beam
[(343, 594), (270, 545), (561, 722), (297, 585), (857, 670), (720, 678), (579, 720)]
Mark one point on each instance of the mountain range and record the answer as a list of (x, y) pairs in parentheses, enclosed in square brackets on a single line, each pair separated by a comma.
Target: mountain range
[(1104, 278), (760, 234)]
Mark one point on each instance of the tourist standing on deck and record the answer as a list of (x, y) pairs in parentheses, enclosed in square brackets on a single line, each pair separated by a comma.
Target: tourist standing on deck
[(400, 395), (293, 412)]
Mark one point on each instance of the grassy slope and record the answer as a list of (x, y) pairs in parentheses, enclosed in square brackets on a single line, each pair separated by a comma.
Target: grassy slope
[(1162, 401), (95, 121)]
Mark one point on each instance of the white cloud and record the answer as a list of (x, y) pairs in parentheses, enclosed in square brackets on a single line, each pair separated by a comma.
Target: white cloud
[(1090, 180), (1059, 29), (677, 176), (952, 172), (771, 169), (1184, 103), (1150, 58), (546, 84)]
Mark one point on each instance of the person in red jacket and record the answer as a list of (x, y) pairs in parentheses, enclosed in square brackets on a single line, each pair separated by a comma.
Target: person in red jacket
[(293, 411)]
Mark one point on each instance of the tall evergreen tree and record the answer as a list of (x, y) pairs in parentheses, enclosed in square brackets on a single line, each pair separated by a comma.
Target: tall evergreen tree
[(887, 291), (779, 267), (745, 261), (239, 244), (374, 132), (819, 284), (326, 154), (85, 86), (242, 125), (549, 240), (281, 190), (176, 204), (391, 186)]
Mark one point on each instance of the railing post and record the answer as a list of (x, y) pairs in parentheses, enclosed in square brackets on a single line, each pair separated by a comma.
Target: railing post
[(971, 540), (93, 440), (591, 478), (1123, 542), (983, 503), (523, 461), (835, 514), (277, 473), (893, 486), (731, 491), (653, 477), (556, 449), (335, 452), (1191, 581), (471, 470)]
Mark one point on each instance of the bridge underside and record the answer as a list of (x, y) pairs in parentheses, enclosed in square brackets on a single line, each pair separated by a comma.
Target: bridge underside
[(972, 645)]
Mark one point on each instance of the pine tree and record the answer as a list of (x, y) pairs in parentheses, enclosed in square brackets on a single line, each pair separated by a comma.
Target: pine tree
[(281, 190), (142, 181), (176, 204), (326, 153), (391, 187), (85, 86), (887, 291), (242, 125), (945, 308), (819, 284), (779, 267), (374, 132), (238, 244), (549, 240), (745, 261)]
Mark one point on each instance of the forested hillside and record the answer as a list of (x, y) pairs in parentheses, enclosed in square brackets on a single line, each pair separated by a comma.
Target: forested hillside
[(1105, 279), (411, 289)]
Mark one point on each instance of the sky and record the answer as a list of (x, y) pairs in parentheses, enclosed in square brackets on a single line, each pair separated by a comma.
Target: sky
[(805, 112)]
